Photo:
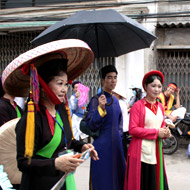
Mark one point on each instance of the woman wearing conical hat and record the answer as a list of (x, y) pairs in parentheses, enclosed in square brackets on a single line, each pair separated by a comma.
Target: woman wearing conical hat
[(44, 134)]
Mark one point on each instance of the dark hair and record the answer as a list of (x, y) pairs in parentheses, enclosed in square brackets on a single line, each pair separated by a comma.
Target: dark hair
[(138, 94), (52, 68), (75, 82), (151, 78), (107, 69)]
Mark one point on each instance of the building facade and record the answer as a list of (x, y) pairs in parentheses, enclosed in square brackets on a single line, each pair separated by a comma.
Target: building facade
[(21, 21)]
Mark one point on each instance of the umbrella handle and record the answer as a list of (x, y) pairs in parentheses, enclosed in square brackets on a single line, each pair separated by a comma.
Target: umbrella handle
[(109, 104)]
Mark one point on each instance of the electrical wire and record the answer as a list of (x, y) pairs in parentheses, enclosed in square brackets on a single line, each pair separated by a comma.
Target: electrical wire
[(38, 4), (60, 16), (161, 15)]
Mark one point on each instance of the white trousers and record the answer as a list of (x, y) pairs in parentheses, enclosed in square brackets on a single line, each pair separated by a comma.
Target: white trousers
[(180, 112), (76, 130)]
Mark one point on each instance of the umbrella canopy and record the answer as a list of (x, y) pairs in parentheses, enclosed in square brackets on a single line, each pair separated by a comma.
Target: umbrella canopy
[(108, 32)]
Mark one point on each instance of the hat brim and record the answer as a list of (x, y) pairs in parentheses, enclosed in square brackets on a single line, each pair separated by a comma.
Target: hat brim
[(154, 72), (8, 151), (78, 53)]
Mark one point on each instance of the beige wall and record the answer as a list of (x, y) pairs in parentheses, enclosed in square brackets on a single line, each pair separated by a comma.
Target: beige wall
[(173, 37), (137, 63)]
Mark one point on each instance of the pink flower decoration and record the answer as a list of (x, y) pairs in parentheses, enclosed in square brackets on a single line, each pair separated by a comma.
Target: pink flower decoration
[(83, 99)]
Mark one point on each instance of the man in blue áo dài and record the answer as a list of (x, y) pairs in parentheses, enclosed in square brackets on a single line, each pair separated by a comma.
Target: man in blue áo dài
[(105, 114)]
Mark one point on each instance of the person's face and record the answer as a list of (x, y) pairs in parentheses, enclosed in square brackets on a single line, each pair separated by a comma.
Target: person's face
[(170, 90), (75, 87), (154, 89), (59, 85), (110, 81)]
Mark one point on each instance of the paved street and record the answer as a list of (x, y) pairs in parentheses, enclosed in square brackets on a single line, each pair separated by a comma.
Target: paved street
[(177, 168), (82, 176)]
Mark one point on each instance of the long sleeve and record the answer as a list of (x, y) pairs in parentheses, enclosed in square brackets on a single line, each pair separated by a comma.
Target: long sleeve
[(136, 123), (73, 103), (79, 111), (38, 166), (94, 118), (42, 166)]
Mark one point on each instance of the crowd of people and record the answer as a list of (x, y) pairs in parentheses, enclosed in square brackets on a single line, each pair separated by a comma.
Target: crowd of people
[(48, 133)]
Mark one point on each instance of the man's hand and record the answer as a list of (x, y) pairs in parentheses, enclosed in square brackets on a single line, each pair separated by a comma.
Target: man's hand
[(177, 91), (173, 118), (102, 101)]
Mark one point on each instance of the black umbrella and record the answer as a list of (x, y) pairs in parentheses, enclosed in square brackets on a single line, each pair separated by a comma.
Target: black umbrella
[(107, 32)]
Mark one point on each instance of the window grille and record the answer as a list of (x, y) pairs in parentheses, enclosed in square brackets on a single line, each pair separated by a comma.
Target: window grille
[(175, 65), (91, 77)]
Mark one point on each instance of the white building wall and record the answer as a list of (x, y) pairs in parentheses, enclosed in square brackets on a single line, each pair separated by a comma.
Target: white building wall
[(130, 71), (132, 66)]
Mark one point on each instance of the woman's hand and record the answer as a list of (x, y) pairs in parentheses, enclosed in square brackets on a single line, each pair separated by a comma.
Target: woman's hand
[(93, 153), (67, 163), (164, 132)]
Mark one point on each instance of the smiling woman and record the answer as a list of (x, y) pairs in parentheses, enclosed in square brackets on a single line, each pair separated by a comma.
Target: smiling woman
[(56, 80), (44, 132), (59, 86), (147, 126)]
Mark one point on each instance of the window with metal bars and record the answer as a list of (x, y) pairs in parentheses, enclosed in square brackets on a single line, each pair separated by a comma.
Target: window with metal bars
[(175, 65)]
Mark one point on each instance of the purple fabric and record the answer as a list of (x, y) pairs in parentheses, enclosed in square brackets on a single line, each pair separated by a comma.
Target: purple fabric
[(109, 171)]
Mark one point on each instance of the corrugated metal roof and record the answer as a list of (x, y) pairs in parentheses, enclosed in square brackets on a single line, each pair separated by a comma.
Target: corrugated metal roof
[(173, 25)]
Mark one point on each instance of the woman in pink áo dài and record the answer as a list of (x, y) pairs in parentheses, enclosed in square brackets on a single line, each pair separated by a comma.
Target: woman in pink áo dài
[(145, 163)]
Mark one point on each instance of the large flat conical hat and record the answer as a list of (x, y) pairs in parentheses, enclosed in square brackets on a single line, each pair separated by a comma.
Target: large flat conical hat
[(78, 53), (8, 151)]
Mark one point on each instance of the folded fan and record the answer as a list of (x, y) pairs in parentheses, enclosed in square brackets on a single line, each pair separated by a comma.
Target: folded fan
[(83, 99)]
